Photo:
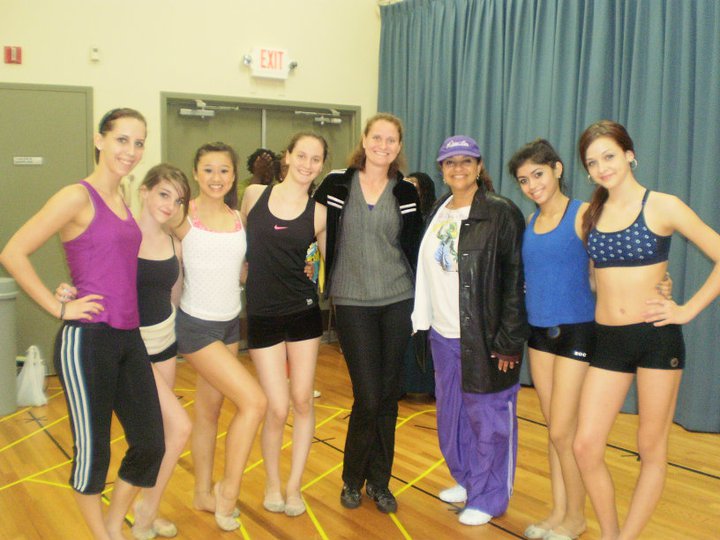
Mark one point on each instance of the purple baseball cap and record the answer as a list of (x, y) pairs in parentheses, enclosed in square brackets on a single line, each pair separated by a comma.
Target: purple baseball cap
[(458, 145)]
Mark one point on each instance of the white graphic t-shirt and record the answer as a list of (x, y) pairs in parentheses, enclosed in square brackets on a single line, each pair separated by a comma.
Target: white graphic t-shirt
[(439, 257)]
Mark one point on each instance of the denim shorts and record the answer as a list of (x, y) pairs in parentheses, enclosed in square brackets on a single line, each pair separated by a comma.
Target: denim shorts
[(194, 334)]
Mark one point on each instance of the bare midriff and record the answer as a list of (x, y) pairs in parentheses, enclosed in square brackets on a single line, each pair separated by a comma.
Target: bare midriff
[(622, 292)]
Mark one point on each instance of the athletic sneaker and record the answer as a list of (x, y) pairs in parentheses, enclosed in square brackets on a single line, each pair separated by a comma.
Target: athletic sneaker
[(455, 494), (350, 497), (384, 500), (472, 516)]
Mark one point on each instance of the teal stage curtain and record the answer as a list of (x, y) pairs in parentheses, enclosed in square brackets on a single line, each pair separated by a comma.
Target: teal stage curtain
[(508, 71)]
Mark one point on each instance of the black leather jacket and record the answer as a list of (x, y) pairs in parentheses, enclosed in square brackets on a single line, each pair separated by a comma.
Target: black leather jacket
[(492, 300), (333, 193)]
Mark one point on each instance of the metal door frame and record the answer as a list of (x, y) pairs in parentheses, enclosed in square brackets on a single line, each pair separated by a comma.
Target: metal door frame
[(255, 104)]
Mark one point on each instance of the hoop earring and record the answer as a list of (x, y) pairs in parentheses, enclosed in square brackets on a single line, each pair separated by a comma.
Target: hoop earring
[(633, 164), (590, 180)]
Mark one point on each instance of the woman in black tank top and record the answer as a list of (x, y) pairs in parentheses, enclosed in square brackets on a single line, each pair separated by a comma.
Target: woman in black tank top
[(284, 324)]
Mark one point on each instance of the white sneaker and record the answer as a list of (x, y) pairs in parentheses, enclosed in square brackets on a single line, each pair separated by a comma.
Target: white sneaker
[(471, 516), (455, 494)]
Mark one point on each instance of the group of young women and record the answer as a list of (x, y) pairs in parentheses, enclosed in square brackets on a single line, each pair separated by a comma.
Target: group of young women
[(478, 267)]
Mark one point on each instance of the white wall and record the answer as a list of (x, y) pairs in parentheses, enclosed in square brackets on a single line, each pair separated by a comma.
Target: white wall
[(194, 46)]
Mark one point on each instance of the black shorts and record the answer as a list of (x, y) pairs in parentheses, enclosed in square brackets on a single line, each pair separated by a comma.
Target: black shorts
[(268, 331), (575, 341), (194, 334), (642, 345), (167, 354)]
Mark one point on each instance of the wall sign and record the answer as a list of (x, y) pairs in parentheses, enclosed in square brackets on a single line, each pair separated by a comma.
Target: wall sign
[(28, 160), (270, 63)]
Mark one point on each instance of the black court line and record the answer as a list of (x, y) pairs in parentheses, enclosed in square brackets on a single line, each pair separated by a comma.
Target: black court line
[(635, 454), (452, 507), (429, 428)]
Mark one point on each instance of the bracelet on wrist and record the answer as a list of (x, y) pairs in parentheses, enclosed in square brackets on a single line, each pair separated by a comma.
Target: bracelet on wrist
[(62, 311)]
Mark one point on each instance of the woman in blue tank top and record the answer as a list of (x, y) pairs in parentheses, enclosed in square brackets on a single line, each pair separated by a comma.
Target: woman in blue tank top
[(560, 308), (284, 322), (627, 232)]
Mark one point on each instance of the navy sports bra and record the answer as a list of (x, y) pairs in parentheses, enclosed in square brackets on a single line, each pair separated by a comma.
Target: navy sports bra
[(634, 246)]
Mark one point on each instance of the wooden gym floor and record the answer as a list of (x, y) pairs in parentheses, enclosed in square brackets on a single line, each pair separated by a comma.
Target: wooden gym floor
[(36, 502)]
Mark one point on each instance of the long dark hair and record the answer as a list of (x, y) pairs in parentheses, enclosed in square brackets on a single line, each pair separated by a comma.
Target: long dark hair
[(358, 157), (426, 191), (616, 132), (231, 197)]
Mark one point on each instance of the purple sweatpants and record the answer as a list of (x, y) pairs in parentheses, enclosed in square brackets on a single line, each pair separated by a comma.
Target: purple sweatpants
[(477, 432)]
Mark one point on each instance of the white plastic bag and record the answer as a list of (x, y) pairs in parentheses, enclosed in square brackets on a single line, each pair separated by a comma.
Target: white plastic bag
[(31, 380)]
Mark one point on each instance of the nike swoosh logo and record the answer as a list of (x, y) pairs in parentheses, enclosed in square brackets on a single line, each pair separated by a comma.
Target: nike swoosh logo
[(279, 228)]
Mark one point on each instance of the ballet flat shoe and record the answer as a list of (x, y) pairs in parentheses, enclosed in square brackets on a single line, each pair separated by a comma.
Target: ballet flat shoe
[(165, 528), (535, 531), (552, 535), (226, 523), (294, 506), (273, 502)]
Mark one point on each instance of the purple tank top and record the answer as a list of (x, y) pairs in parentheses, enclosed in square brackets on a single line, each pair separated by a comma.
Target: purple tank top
[(103, 260)]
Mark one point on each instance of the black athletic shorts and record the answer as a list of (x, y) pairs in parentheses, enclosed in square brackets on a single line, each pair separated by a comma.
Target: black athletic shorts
[(642, 345), (575, 341), (268, 331)]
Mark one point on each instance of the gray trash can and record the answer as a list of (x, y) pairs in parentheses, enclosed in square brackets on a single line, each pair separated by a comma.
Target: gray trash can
[(8, 368)]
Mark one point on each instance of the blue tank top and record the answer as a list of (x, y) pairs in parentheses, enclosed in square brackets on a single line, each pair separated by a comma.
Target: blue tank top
[(556, 273), (634, 246)]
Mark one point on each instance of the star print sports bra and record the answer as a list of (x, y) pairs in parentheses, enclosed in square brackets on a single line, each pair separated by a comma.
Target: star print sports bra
[(636, 245)]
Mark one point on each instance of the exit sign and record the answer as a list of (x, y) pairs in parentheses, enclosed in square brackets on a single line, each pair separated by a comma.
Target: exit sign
[(270, 63)]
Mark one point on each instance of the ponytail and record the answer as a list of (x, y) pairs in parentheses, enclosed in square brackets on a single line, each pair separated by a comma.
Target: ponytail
[(592, 214)]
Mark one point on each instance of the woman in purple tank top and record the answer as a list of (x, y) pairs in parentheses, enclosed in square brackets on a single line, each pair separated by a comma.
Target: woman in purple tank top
[(99, 354), (165, 194)]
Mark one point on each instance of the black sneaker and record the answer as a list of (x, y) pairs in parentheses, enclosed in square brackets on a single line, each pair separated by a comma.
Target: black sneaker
[(384, 500), (350, 497)]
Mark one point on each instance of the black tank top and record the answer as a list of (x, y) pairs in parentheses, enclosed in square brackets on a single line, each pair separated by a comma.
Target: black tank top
[(155, 280), (276, 251)]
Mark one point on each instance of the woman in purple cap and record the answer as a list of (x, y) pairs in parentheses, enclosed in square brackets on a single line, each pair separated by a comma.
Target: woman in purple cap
[(469, 293)]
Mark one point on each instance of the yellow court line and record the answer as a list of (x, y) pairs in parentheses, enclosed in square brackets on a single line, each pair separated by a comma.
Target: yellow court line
[(323, 475), (315, 521), (25, 409), (420, 477), (244, 532), (289, 443), (332, 407), (13, 415), (399, 525), (47, 482), (21, 439), (34, 475), (419, 413)]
